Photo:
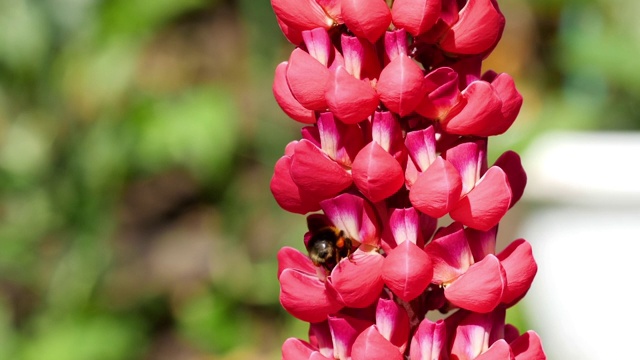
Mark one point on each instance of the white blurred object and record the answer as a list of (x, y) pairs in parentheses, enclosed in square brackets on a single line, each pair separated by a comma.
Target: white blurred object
[(586, 240), (585, 168)]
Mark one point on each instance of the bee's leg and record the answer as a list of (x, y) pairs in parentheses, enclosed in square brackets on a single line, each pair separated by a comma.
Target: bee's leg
[(350, 256)]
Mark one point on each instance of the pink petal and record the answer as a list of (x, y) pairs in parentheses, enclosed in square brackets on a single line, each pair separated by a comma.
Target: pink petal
[(474, 332), (467, 158), (395, 44), (290, 258), (401, 85), (484, 206), (305, 297), (482, 243), (528, 347), (316, 174), (450, 256), (287, 101), (360, 57), (370, 345), (301, 14), (520, 266), (499, 350), (480, 109), (437, 189), (318, 356), (407, 271), (442, 93), (405, 225), (308, 80), (320, 338), (376, 173), (386, 131), (344, 331), (416, 16), (481, 288), (421, 145), (429, 341), (392, 322), (510, 162), (341, 142), (318, 44), (366, 18), (350, 99), (357, 282), (286, 192), (478, 28), (354, 216), (296, 349)]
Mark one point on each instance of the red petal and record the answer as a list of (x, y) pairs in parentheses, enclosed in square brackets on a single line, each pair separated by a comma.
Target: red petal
[(478, 29), (287, 101), (512, 165), (416, 16), (484, 206), (480, 289), (401, 85), (520, 266), (357, 281), (376, 173), (499, 350), (505, 88), (296, 349), (350, 99), (528, 347), (290, 258), (370, 345), (478, 115), (305, 297), (437, 189), (301, 14), (441, 86), (367, 19), (315, 174), (286, 192), (407, 271), (307, 79)]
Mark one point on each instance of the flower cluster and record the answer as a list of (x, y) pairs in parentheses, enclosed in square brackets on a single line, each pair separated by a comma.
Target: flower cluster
[(399, 115)]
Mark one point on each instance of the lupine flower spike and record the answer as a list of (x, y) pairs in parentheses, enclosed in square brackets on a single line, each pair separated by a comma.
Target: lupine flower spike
[(398, 118)]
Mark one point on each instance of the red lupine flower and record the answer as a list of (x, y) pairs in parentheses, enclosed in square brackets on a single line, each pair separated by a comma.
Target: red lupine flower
[(415, 16), (398, 118), (295, 16), (477, 29)]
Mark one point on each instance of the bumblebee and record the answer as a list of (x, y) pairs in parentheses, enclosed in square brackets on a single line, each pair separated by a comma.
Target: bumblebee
[(327, 246)]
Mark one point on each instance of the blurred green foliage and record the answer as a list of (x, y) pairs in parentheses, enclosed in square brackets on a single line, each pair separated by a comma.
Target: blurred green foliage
[(137, 140)]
